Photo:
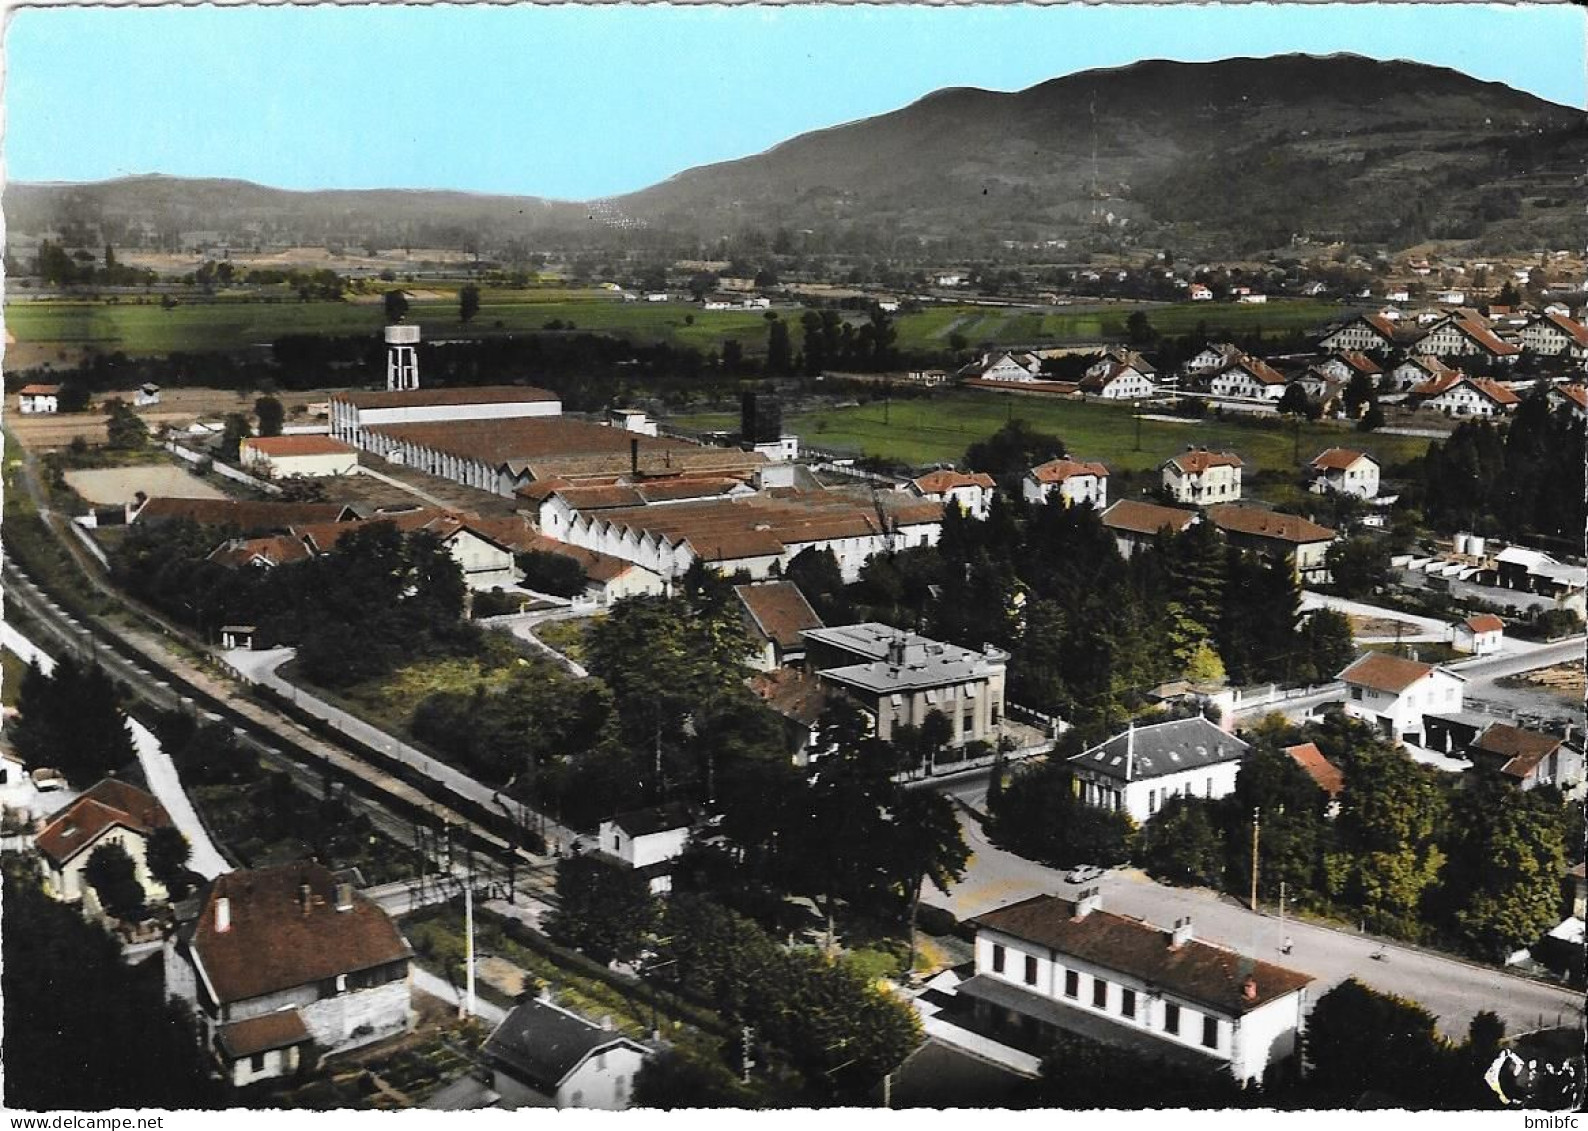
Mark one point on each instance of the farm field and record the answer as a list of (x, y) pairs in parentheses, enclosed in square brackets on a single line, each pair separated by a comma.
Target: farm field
[(939, 429), (147, 328)]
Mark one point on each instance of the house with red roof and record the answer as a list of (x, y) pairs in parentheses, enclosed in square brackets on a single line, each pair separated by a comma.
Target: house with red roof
[(39, 398), (1365, 332), (776, 613), (1418, 369), (1345, 471), (276, 961), (1458, 336), (1200, 477), (111, 812), (1346, 364), (1048, 964), (1552, 334), (1527, 758), (1074, 481), (1324, 773), (1135, 524), (1480, 635), (972, 491), (1573, 397), (1456, 394), (308, 456), (1248, 378), (1392, 694)]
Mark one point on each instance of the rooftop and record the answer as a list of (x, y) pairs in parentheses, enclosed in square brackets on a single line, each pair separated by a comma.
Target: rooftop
[(1058, 470), (942, 480), (1338, 459), (541, 1044), (417, 398), (656, 819), (242, 515), (277, 1030), (1521, 749), (779, 611), (1196, 462), (1255, 521), (1159, 749), (108, 804), (310, 445), (1319, 769), (1383, 672), (1146, 518)]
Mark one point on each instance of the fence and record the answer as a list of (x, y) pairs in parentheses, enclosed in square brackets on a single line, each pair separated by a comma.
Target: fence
[(1052, 724), (224, 470)]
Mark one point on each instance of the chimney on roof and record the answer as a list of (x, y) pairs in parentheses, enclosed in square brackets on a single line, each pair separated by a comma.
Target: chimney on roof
[(223, 915), (1249, 989), (634, 455), (344, 896), (1130, 751), (1181, 933), (1091, 899), (305, 897)]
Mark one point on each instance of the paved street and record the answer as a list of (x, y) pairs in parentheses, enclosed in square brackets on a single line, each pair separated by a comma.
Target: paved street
[(1450, 989)]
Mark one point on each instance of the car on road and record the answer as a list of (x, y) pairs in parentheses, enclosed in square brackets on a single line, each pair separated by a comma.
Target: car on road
[(1084, 874)]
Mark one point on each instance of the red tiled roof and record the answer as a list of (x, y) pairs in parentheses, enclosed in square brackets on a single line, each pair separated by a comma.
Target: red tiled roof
[(1577, 394), (278, 549), (108, 803), (796, 695), (416, 398), (1259, 369), (1522, 749), (1194, 463), (1146, 518), (1359, 361), (243, 515), (1328, 776), (779, 610), (1445, 381), (1268, 524), (943, 480), (1058, 470), (1495, 391), (1338, 459), (1574, 330), (273, 944), (1484, 622), (38, 390), (1056, 388), (281, 1029), (1382, 672), (1194, 970), (311, 445)]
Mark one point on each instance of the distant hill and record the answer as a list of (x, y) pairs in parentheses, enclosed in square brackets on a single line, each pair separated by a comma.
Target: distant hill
[(1208, 158)]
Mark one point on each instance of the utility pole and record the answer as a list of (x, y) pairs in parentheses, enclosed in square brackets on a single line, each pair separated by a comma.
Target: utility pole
[(466, 1008), (1255, 823)]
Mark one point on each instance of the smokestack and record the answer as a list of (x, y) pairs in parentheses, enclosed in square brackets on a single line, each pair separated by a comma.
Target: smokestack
[(344, 897), (304, 897), (634, 455), (223, 915)]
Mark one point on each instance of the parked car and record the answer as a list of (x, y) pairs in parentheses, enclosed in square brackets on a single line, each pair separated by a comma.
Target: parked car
[(1084, 874)]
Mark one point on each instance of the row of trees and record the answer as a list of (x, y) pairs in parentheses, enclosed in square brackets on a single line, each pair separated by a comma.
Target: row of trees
[(72, 719)]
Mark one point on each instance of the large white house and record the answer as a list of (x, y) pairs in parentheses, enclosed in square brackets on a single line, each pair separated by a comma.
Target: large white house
[(973, 491), (1367, 332), (1553, 334), (1345, 471), (1074, 481), (1136, 771), (1248, 378), (1050, 964), (1201, 477), (1456, 394), (39, 398), (1393, 694), (1459, 336)]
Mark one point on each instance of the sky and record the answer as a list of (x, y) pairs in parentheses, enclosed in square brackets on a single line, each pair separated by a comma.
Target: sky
[(579, 102)]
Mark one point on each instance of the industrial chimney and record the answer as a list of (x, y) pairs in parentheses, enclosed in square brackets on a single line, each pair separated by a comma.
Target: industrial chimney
[(223, 915)]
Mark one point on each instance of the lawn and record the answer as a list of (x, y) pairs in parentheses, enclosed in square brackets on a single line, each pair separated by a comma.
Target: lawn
[(940, 428), (146, 328)]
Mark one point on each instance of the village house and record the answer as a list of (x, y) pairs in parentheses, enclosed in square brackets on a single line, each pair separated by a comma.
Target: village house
[(1016, 367), (1345, 471), (38, 399), (777, 615), (1135, 524), (1456, 394), (800, 698), (1458, 336), (1276, 536), (1048, 964), (1120, 374), (1138, 770), (1572, 397), (1320, 388), (1248, 378), (1324, 773), (111, 812), (1393, 694), (1369, 332), (313, 457), (1418, 369), (1349, 363), (1200, 477), (1200, 293), (276, 958), (1073, 481), (541, 1055), (972, 491), (1480, 635), (648, 840), (1552, 334), (898, 678), (1527, 759), (1212, 357)]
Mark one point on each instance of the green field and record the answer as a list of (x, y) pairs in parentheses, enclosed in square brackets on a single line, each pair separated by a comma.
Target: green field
[(931, 329), (920, 432), (228, 324)]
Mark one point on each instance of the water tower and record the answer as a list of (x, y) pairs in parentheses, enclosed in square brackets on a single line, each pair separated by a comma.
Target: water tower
[(402, 357)]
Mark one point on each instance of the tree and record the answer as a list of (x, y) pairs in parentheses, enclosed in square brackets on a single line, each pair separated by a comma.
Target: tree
[(271, 414), (1359, 1040), (929, 846), (70, 719), (1359, 565), (672, 1079), (1502, 881), (1358, 394), (1373, 419), (779, 349), (1326, 644), (1011, 451), (114, 878), (1040, 816), (125, 430), (1295, 401), (167, 857), (396, 306), (547, 572), (605, 910), (468, 303), (236, 431), (1392, 815), (1181, 843), (1139, 330)]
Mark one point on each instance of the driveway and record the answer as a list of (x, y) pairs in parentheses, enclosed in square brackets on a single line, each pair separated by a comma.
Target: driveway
[(1449, 988)]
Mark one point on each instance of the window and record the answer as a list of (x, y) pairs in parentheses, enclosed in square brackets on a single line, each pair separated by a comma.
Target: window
[(1127, 1002), (1152, 801), (256, 1063), (1210, 787), (1210, 1032), (1031, 970), (1099, 993), (995, 713), (1171, 1017), (1356, 693), (1072, 984), (998, 959)]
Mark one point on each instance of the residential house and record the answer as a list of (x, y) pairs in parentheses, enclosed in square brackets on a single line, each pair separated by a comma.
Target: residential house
[(1074, 481), (1135, 524), (1527, 758), (1200, 477), (1048, 964), (1320, 387), (1456, 394), (1324, 773), (1276, 536), (1212, 357), (1365, 332), (648, 840), (274, 958), (541, 1055), (148, 394), (1418, 369), (111, 812), (1393, 694), (1138, 770), (38, 399), (1553, 334), (1573, 397), (1120, 374), (972, 491), (902, 677), (1249, 378), (313, 457), (1346, 471), (1349, 363), (777, 614), (800, 698), (1200, 293), (1458, 336), (1481, 635), (1017, 367)]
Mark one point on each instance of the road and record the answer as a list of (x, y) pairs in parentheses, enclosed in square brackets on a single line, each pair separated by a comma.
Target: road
[(1451, 989), (1426, 628)]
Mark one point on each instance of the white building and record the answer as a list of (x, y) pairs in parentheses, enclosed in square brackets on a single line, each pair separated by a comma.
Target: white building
[(1048, 964), (541, 1055), (1456, 394), (972, 491), (647, 840), (309, 456), (1553, 334), (1137, 771), (1248, 378), (631, 420), (352, 413), (1366, 332), (39, 398), (1393, 694), (112, 812), (1456, 336), (1481, 635), (1074, 481), (1201, 477), (1345, 471)]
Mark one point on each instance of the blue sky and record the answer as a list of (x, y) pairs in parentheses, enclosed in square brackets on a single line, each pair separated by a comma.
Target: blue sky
[(580, 102)]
